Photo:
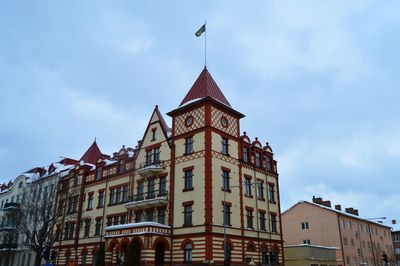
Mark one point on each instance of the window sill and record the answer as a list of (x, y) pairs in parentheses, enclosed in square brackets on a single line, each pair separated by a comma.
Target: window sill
[(99, 207), (187, 153), (187, 189), (262, 199), (187, 225), (272, 202), (226, 190), (248, 196)]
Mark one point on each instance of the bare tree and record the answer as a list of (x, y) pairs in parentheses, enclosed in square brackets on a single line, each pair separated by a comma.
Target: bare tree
[(8, 231), (36, 217)]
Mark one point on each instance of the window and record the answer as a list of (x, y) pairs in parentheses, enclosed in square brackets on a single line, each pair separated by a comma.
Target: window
[(188, 179), (98, 173), (397, 251), (188, 145), (262, 220), (101, 200), (149, 157), (161, 216), (125, 190), (345, 242), (121, 166), (149, 215), (72, 202), (156, 156), (75, 180), (305, 226), (187, 213), (69, 231), (271, 194), (138, 216), (163, 186), (58, 233), (343, 224), (273, 223), (118, 195), (90, 201), (307, 241), (97, 227), (224, 147), (268, 164), (112, 196), (188, 253), (140, 190), (249, 218), (151, 187), (245, 154), (352, 242), (247, 187), (260, 190), (225, 180), (153, 135), (227, 213), (87, 228), (258, 159)]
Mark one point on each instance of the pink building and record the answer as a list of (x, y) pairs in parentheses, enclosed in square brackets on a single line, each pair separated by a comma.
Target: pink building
[(358, 241)]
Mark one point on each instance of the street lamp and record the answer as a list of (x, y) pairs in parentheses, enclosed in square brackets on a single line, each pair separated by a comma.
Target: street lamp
[(224, 216)]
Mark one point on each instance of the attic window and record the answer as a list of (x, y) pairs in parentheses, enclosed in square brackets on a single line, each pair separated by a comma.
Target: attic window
[(20, 184), (153, 131)]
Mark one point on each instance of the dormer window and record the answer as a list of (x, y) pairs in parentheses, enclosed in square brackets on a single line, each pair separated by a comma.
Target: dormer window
[(98, 173), (258, 159), (245, 154), (268, 165), (121, 166)]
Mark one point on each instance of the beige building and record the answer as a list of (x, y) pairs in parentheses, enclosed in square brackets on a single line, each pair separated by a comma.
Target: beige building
[(169, 199), (358, 241), (309, 255)]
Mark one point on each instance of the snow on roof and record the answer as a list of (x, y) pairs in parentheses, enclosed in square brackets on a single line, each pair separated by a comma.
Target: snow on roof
[(135, 225), (344, 213)]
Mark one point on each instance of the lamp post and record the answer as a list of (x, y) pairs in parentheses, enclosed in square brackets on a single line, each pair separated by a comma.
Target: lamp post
[(224, 217)]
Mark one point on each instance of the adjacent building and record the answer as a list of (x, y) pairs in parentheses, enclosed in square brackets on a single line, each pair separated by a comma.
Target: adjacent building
[(309, 255), (358, 241), (396, 245), (28, 187), (198, 192)]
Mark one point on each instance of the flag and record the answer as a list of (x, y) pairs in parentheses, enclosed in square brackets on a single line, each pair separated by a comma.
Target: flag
[(200, 31)]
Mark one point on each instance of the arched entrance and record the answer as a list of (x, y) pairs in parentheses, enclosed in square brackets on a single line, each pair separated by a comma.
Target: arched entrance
[(134, 253), (159, 254)]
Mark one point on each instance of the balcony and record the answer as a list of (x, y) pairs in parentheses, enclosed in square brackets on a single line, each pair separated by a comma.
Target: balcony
[(150, 199), (150, 168), (11, 206), (140, 228)]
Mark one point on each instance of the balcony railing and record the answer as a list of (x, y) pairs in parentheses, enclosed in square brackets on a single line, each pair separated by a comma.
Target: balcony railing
[(150, 168), (8, 246), (152, 198), (139, 228)]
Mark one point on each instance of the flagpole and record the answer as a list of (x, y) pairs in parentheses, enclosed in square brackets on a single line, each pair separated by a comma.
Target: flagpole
[(205, 44)]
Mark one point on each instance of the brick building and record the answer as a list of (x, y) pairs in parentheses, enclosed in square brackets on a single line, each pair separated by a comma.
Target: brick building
[(171, 198)]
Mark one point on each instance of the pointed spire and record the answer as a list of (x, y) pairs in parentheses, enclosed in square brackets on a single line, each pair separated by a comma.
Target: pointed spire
[(205, 86), (93, 154)]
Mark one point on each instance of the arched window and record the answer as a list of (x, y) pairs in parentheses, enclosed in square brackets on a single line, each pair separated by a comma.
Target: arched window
[(20, 184), (188, 253)]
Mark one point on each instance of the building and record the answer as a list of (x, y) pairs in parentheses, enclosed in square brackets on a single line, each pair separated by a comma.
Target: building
[(27, 189), (358, 241), (396, 245), (309, 255), (170, 199)]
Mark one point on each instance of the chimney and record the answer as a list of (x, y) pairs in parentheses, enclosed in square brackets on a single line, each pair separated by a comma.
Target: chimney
[(338, 207), (317, 200), (352, 211), (327, 203)]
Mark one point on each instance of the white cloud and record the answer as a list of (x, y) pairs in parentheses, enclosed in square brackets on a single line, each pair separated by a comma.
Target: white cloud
[(133, 47)]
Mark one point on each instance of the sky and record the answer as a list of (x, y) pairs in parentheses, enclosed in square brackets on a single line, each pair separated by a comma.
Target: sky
[(318, 80)]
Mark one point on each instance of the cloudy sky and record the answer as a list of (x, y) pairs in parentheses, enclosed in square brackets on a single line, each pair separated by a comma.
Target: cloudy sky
[(318, 80)]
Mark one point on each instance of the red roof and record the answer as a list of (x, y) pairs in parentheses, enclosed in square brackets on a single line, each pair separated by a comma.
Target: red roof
[(93, 154), (205, 86)]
